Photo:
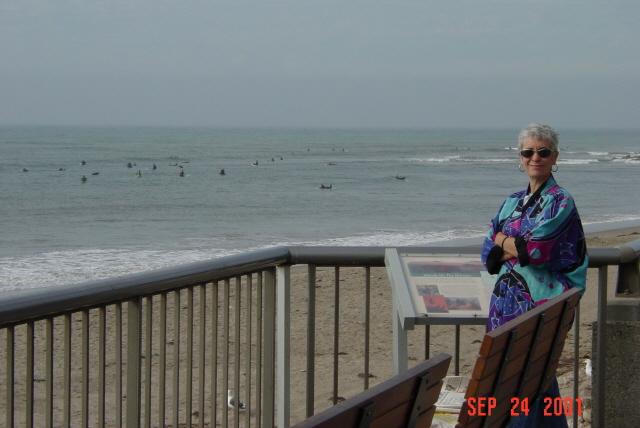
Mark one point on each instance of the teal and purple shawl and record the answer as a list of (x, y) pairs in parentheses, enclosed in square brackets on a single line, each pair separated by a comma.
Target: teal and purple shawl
[(552, 254)]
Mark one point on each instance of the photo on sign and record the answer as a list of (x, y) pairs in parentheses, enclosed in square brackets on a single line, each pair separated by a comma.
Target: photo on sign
[(464, 303), (435, 304)]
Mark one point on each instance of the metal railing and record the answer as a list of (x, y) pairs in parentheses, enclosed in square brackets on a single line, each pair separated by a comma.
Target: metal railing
[(154, 346), (173, 346)]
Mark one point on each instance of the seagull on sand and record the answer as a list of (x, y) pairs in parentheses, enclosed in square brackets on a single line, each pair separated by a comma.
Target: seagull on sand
[(587, 367), (231, 401)]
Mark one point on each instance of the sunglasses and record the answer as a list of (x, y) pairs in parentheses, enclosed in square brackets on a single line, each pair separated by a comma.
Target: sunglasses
[(542, 152)]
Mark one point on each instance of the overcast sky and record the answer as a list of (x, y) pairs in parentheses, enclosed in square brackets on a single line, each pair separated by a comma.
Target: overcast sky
[(320, 63)]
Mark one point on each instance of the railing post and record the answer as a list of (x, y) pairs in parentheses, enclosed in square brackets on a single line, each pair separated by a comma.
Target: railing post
[(628, 283), (10, 377), (599, 404), (283, 331), (269, 348), (367, 323), (576, 364), (400, 344), (49, 373), (457, 351), (311, 340), (134, 344)]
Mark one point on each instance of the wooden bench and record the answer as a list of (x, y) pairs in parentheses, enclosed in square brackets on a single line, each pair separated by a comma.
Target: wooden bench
[(518, 359), (405, 400)]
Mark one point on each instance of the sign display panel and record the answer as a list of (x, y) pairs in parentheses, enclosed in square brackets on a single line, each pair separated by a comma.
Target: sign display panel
[(445, 285), (435, 288)]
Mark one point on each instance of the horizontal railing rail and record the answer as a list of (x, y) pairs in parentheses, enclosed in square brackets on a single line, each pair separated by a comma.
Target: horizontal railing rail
[(32, 304), (247, 324)]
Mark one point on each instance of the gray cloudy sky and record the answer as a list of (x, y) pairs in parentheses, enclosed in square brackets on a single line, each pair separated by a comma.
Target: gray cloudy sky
[(320, 63)]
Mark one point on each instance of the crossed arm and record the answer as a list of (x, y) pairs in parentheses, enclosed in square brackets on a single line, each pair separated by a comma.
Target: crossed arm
[(508, 244)]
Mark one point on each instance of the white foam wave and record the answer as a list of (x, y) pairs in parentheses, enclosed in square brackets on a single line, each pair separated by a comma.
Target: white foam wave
[(598, 153), (458, 158), (614, 218), (501, 160), (438, 159), (629, 157), (630, 161), (577, 161), (67, 267), (394, 238)]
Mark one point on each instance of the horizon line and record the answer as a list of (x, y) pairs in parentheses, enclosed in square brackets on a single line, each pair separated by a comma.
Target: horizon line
[(308, 127)]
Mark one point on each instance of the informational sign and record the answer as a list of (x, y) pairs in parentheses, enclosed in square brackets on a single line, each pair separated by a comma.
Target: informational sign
[(435, 288), (453, 287), (446, 284)]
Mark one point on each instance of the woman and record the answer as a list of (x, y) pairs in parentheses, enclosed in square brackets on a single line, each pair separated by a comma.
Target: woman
[(535, 245)]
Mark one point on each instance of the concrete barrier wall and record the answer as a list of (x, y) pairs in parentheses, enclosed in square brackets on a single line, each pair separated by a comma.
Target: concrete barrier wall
[(622, 406)]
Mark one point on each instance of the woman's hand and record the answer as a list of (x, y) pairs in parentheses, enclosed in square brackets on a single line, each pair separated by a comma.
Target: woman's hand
[(508, 244)]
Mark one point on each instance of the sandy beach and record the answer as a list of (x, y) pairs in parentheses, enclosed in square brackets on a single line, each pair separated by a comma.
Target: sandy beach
[(351, 343)]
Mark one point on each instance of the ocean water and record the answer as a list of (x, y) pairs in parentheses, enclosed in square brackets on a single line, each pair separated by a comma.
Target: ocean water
[(57, 229)]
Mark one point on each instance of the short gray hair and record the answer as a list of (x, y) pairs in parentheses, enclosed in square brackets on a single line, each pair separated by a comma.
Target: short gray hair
[(541, 132)]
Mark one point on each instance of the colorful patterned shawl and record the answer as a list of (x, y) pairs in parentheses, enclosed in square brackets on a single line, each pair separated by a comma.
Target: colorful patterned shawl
[(552, 254)]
